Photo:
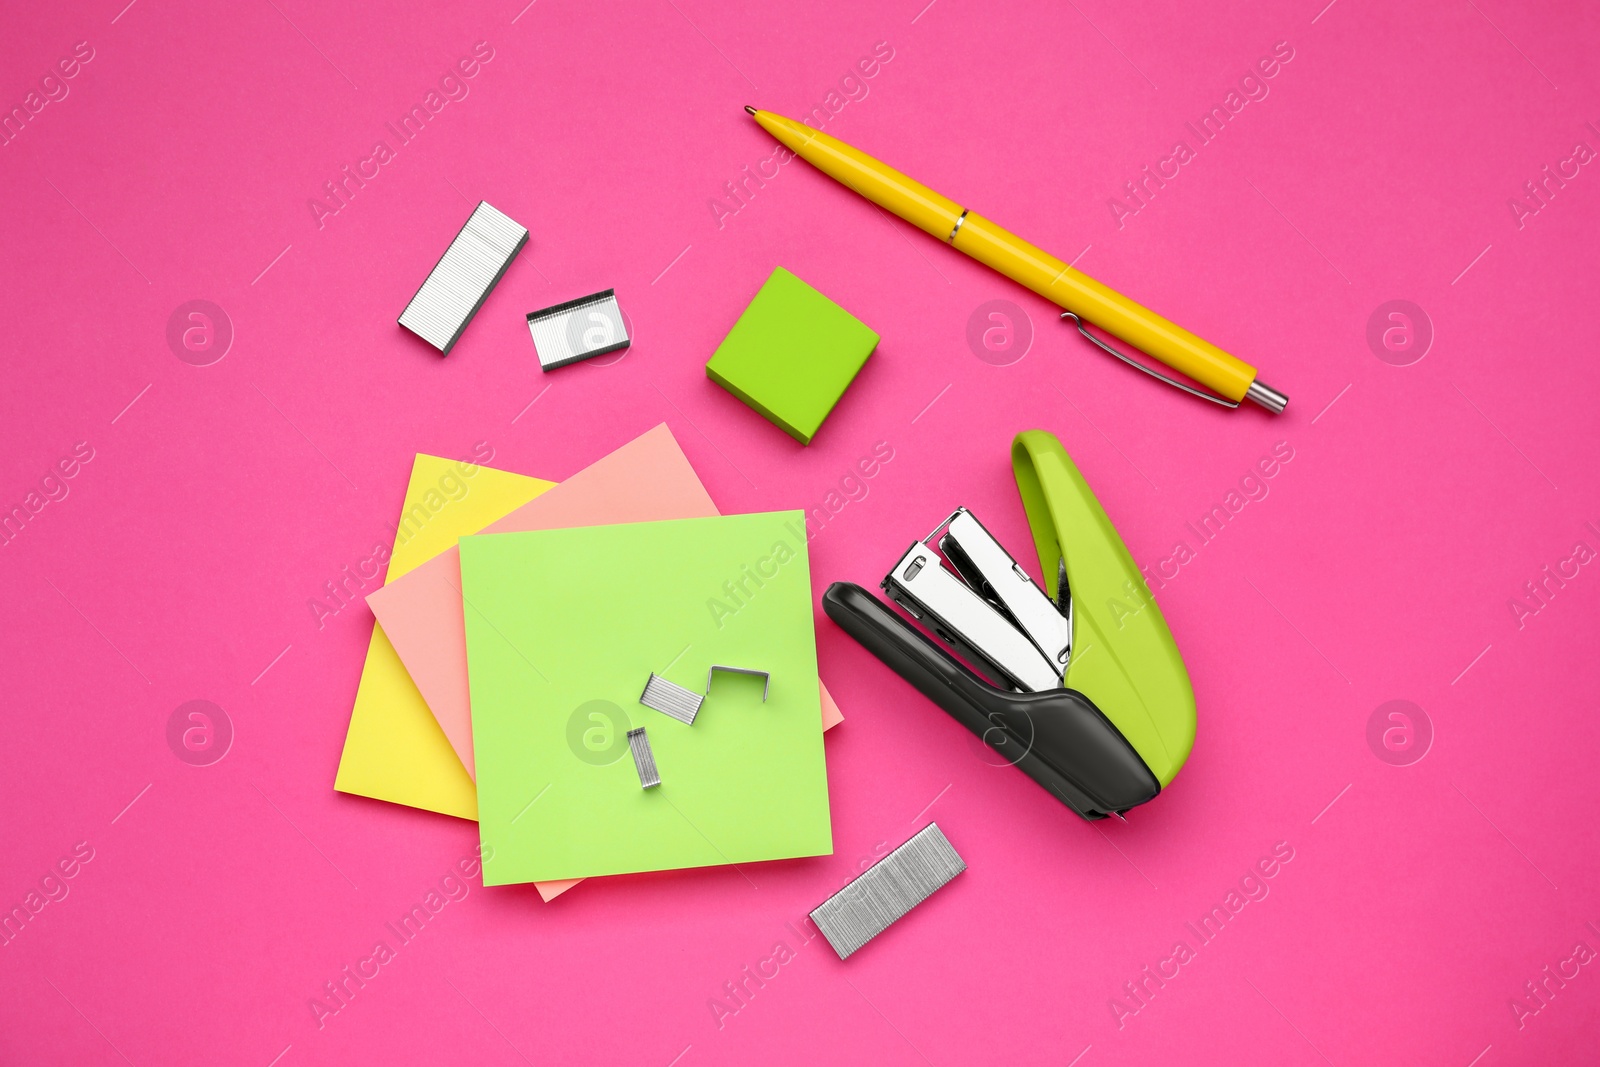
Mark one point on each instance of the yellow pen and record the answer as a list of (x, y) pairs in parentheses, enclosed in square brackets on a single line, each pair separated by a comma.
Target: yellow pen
[(1083, 298)]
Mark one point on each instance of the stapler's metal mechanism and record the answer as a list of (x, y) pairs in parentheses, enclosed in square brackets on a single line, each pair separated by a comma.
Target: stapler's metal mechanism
[(1087, 695), (996, 617)]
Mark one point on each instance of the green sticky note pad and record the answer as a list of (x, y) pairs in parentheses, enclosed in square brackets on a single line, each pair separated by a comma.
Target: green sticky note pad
[(564, 628), (792, 354)]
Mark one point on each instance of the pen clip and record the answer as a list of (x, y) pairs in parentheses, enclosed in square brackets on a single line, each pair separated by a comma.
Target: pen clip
[(1191, 390)]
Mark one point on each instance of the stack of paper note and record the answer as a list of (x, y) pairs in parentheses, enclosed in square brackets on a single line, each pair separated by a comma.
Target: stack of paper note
[(504, 674)]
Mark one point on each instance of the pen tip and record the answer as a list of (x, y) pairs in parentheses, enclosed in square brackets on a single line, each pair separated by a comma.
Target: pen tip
[(749, 110)]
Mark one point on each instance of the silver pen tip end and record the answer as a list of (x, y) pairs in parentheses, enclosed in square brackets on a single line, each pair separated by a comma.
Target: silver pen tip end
[(748, 110), (1267, 397)]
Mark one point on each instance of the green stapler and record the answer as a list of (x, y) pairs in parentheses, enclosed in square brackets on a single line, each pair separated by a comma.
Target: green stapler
[(1078, 684)]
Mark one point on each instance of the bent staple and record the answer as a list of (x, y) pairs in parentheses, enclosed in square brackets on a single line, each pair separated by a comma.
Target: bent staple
[(464, 277), (766, 677), (887, 890)]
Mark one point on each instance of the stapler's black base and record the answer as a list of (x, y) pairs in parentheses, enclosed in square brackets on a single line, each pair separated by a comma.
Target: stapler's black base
[(1058, 737)]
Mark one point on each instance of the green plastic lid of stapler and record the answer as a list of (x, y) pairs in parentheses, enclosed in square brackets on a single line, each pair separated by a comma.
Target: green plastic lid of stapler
[(1139, 682)]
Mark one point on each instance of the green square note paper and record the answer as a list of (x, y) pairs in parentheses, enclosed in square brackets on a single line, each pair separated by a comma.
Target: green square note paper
[(792, 354), (563, 630)]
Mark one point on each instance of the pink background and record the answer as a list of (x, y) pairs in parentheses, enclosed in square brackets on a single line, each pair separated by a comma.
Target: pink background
[(1379, 567)]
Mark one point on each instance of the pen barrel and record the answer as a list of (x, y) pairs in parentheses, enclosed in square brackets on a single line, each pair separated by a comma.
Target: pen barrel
[(1104, 307), (1009, 254)]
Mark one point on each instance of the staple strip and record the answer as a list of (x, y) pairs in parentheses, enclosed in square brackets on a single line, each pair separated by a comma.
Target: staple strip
[(578, 329), (887, 890), (644, 761), (671, 699), (463, 278)]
